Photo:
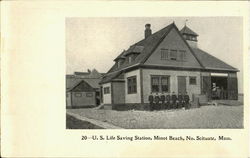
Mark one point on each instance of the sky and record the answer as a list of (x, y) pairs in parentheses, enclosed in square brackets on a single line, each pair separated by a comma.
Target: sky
[(96, 42)]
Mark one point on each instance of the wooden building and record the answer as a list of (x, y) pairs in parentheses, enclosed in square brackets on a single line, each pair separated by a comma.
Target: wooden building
[(82, 89), (166, 61)]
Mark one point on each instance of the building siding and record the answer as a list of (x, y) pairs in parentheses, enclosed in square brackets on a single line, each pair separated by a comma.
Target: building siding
[(191, 89), (136, 97), (68, 99), (106, 97), (118, 92), (83, 100)]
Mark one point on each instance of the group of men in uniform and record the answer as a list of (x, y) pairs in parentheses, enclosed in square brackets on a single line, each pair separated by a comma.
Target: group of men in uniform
[(169, 101)]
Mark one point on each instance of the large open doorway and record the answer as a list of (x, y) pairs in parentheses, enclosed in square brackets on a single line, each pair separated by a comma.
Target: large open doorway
[(219, 87)]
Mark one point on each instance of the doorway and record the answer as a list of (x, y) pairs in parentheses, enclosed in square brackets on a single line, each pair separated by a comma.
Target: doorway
[(182, 87), (219, 87)]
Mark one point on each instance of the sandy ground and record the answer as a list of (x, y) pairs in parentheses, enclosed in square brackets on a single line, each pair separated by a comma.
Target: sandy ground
[(204, 117)]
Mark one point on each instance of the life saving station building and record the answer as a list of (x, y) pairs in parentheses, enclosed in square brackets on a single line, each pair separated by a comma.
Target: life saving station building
[(164, 62)]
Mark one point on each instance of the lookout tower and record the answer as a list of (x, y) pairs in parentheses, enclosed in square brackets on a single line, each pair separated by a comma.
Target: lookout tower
[(190, 36)]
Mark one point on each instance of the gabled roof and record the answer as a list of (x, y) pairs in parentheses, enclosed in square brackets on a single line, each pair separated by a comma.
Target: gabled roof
[(111, 76), (81, 86), (134, 49), (71, 82), (149, 44), (210, 62), (93, 82), (187, 30), (121, 56)]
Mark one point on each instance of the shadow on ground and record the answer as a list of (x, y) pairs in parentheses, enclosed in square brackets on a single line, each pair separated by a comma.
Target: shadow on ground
[(73, 123)]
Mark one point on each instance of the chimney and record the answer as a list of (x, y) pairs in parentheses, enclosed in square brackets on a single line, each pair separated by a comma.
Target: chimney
[(148, 31)]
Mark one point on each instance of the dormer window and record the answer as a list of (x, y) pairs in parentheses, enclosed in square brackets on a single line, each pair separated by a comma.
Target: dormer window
[(120, 62), (130, 59)]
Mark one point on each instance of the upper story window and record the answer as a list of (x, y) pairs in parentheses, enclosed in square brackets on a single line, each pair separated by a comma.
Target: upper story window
[(120, 62), (164, 54), (173, 54), (130, 59), (190, 37), (182, 55), (132, 85)]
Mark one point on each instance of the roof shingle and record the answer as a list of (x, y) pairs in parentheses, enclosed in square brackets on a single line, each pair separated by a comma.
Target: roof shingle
[(210, 62), (187, 30), (146, 47)]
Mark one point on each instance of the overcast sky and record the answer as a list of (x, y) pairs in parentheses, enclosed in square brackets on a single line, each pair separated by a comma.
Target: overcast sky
[(95, 42)]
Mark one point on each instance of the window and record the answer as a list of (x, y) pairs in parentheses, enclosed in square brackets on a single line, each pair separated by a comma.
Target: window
[(106, 90), (173, 54), (182, 55), (132, 87), (89, 94), (155, 81), (78, 94), (130, 59), (120, 62), (164, 84), (192, 80), (164, 54), (160, 83)]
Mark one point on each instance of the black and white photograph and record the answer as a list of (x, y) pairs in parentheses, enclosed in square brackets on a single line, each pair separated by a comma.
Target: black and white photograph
[(154, 72), (107, 79)]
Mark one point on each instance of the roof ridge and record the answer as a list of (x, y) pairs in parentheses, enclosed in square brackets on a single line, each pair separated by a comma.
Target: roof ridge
[(75, 85), (159, 42), (153, 34)]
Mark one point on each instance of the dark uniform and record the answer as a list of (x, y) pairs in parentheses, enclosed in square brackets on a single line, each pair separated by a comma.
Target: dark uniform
[(167, 101), (157, 102), (151, 102), (174, 98), (186, 99), (162, 98), (180, 100)]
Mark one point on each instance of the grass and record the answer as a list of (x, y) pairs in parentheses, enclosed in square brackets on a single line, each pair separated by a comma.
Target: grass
[(73, 123), (204, 117)]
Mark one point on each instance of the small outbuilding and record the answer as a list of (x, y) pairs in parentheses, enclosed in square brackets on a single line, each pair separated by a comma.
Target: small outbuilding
[(82, 89), (80, 95)]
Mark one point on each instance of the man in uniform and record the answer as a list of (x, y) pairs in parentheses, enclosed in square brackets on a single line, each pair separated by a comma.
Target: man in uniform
[(186, 99), (168, 101), (180, 100), (162, 98), (174, 98), (157, 102), (151, 101)]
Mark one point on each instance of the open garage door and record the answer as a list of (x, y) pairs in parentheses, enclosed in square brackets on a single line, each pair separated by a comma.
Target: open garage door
[(232, 88)]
